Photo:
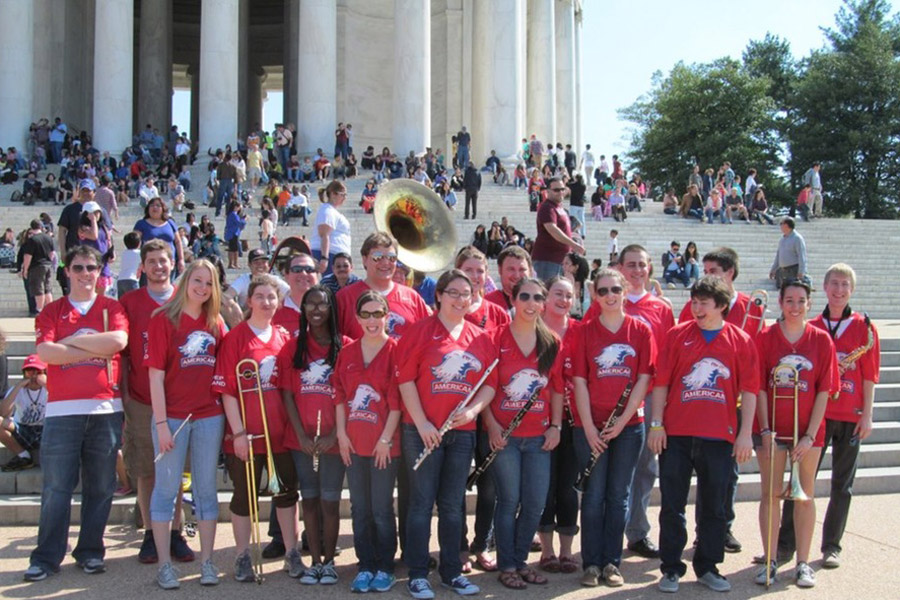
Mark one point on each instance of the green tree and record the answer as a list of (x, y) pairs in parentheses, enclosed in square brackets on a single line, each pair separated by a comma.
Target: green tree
[(771, 58), (846, 113)]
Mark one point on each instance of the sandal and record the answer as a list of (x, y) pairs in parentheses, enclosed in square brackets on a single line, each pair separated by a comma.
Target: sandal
[(511, 580), (529, 575), (567, 564), (551, 564), (484, 562)]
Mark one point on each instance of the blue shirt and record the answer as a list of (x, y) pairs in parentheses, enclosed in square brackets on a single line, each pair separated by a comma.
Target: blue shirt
[(234, 225), (165, 232), (426, 289)]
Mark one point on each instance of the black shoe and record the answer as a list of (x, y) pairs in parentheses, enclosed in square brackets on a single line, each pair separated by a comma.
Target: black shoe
[(147, 553), (274, 549), (179, 548), (732, 545), (645, 548), (18, 463)]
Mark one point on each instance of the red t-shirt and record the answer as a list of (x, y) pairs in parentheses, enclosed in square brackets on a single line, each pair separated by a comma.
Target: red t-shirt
[(609, 361), (188, 357), (405, 305), (488, 316), (852, 334), (312, 388), (288, 316), (705, 380), (735, 314), (515, 379), (649, 309), (82, 387), (241, 343), (545, 246), (443, 369), (500, 299), (139, 306), (368, 394), (814, 357)]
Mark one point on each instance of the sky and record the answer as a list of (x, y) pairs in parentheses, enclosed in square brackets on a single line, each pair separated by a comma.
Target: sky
[(649, 35)]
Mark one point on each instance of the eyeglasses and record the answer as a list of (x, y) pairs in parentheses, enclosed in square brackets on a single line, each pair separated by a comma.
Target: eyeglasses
[(557, 189), (525, 297), (378, 256), (83, 268), (603, 291), (372, 314), (319, 306), (302, 269), (466, 295)]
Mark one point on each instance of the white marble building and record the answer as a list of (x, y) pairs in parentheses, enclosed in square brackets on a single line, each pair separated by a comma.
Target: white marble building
[(406, 73)]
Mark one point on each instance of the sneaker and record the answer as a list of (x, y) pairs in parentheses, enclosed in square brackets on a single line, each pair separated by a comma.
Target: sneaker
[(293, 564), (209, 573), (782, 557), (328, 575), (18, 463), (167, 577), (591, 576), (760, 578), (311, 575), (831, 559), (715, 582), (274, 549), (179, 548), (732, 544), (362, 583), (243, 568), (462, 586), (668, 583), (612, 576), (420, 589), (383, 582), (670, 285), (147, 553), (35, 573), (806, 577), (645, 548), (92, 566)]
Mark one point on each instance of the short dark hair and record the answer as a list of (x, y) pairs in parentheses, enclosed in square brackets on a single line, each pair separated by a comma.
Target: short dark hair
[(343, 255), (156, 245), (83, 252), (726, 258), (514, 252), (378, 239), (789, 283), (133, 240), (789, 221), (35, 224), (714, 287)]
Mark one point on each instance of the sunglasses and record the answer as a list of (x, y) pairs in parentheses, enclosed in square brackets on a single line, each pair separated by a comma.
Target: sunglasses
[(557, 189), (379, 256), (320, 306), (302, 269), (525, 297), (371, 314), (603, 291), (83, 268), (458, 294)]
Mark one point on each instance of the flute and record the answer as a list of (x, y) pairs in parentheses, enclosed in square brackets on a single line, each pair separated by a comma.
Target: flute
[(581, 481), (316, 442), (459, 408), (174, 435)]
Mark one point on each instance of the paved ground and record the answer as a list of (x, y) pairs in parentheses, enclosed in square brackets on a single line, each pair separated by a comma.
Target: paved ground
[(871, 551)]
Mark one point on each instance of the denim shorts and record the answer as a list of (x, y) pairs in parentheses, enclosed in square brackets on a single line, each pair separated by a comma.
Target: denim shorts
[(780, 444), (327, 483), (28, 436)]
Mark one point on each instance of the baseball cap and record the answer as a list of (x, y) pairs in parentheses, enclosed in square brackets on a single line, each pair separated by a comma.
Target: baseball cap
[(90, 207), (33, 361), (256, 254), (87, 183)]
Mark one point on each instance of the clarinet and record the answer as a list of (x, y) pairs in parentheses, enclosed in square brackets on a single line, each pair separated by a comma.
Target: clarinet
[(315, 457), (581, 481), (516, 421)]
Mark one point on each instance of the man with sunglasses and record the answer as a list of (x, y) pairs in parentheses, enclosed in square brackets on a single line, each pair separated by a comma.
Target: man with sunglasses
[(79, 337), (554, 233), (301, 275)]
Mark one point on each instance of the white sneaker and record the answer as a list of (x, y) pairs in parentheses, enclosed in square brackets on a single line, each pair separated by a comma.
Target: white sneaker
[(806, 577)]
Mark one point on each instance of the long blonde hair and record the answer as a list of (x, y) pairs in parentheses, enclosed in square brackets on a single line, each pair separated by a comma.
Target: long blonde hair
[(174, 308)]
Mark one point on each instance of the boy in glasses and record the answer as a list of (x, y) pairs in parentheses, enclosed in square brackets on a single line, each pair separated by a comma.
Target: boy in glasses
[(301, 275), (79, 337)]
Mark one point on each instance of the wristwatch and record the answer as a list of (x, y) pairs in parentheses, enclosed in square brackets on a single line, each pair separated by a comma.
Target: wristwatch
[(557, 427), (656, 423), (389, 443)]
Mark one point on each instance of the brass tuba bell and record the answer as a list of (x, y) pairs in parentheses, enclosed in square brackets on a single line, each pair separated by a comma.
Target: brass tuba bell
[(419, 220)]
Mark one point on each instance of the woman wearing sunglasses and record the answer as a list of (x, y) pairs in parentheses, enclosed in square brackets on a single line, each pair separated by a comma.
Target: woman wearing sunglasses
[(438, 361), (612, 351), (367, 411), (530, 367), (305, 368)]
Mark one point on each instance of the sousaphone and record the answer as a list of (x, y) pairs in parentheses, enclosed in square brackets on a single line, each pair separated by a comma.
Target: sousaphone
[(418, 219)]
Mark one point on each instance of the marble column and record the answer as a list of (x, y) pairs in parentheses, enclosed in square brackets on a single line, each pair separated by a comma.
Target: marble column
[(412, 76), (541, 70), (316, 79), (245, 76), (16, 69), (255, 96), (219, 20), (565, 72), (496, 101), (194, 72), (113, 74), (154, 101), (579, 141), (289, 70)]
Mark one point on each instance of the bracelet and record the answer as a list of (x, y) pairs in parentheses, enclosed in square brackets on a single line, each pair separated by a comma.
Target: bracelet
[(163, 421), (812, 440), (240, 433), (657, 428), (765, 431)]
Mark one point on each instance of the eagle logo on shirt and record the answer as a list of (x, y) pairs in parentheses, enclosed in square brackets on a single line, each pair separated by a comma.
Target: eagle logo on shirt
[(316, 378), (266, 372), (195, 350), (393, 322), (702, 382), (92, 362), (450, 375), (785, 378), (520, 388), (363, 398), (611, 361)]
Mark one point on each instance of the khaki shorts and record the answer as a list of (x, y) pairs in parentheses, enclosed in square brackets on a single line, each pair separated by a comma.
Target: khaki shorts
[(138, 445)]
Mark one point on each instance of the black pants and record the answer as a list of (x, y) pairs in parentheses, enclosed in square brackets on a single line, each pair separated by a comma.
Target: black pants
[(471, 197), (561, 510), (845, 451)]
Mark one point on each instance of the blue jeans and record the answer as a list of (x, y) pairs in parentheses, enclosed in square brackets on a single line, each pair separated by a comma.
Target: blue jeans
[(521, 473), (204, 437), (713, 463), (372, 508), (561, 509), (56, 152), (284, 157), (485, 502), (578, 213), (441, 478), (710, 213), (88, 442), (679, 274), (545, 269), (637, 527), (226, 188), (326, 483), (692, 270), (462, 156), (605, 499)]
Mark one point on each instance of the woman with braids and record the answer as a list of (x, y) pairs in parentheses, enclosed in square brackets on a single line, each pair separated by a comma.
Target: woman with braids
[(530, 367), (305, 369), (612, 351)]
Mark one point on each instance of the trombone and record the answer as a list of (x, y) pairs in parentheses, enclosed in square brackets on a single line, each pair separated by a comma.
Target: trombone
[(758, 298), (248, 369)]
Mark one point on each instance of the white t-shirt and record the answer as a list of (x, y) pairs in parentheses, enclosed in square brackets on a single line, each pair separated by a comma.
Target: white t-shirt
[(614, 245), (587, 157), (30, 406), (298, 200), (131, 260), (340, 235), (242, 284)]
